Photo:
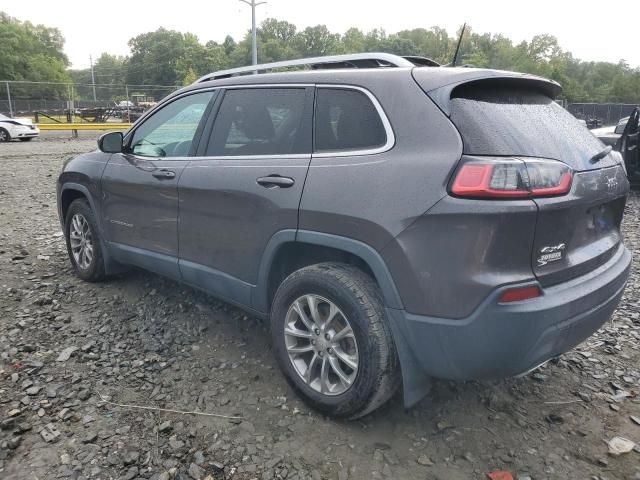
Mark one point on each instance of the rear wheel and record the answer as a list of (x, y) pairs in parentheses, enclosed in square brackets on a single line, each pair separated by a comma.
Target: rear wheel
[(332, 341), (26, 139), (4, 135), (83, 241)]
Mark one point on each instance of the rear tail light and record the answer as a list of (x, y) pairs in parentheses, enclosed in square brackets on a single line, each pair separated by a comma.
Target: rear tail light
[(501, 178), (519, 294)]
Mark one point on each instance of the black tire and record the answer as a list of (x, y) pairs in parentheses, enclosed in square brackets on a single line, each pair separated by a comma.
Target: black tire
[(358, 297), (26, 139), (4, 135), (94, 272)]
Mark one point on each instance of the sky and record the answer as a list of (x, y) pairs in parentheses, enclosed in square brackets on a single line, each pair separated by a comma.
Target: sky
[(590, 30)]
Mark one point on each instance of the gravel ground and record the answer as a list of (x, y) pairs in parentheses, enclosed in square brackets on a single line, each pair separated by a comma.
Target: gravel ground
[(68, 348)]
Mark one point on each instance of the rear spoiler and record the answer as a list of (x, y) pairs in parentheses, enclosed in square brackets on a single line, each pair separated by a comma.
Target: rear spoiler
[(441, 86)]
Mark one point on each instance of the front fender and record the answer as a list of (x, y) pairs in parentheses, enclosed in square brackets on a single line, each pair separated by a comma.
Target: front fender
[(78, 187), (83, 174)]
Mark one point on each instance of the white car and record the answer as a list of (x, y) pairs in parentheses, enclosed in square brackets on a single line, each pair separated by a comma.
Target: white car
[(20, 128), (610, 135)]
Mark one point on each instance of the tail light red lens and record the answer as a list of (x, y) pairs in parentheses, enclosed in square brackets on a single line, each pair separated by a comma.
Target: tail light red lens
[(500, 178)]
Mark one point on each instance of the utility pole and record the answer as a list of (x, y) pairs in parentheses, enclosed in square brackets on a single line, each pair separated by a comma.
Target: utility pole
[(254, 48), (72, 110), (126, 92), (93, 80), (9, 98)]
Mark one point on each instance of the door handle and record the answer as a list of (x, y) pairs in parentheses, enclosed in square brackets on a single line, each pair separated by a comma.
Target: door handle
[(275, 181), (164, 174)]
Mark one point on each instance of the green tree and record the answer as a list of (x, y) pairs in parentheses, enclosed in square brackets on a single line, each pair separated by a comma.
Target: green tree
[(276, 41), (161, 57), (167, 57), (109, 71), (33, 53), (277, 30), (190, 77), (229, 45), (316, 41), (352, 41), (214, 59)]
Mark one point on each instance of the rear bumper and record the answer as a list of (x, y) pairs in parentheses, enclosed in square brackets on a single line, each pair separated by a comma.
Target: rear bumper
[(498, 341)]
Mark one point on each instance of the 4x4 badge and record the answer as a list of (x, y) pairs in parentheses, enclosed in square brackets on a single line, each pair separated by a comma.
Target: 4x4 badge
[(551, 253)]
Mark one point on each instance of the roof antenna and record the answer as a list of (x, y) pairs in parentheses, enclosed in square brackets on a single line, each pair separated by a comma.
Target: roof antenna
[(455, 55)]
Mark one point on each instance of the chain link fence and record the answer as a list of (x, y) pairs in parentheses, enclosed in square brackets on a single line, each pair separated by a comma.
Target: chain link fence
[(601, 114), (47, 102)]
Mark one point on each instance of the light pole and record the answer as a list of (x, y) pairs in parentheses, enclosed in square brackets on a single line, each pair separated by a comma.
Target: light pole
[(254, 48), (9, 98), (93, 80)]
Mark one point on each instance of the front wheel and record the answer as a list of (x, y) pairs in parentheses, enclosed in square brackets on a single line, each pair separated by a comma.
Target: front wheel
[(83, 241), (4, 135), (332, 341)]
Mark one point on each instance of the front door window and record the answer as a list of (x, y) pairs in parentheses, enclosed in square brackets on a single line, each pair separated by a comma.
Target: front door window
[(169, 132)]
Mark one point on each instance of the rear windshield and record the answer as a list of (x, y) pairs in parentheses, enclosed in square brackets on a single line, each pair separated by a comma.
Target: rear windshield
[(510, 121)]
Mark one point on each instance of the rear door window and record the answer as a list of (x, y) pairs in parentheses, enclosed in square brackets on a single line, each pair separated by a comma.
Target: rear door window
[(346, 120), (260, 121)]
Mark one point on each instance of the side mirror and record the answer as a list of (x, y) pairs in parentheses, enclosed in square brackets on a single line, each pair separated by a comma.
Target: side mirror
[(111, 142)]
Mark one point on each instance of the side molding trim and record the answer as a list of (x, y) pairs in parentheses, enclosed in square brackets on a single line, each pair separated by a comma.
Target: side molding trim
[(216, 282), (164, 265)]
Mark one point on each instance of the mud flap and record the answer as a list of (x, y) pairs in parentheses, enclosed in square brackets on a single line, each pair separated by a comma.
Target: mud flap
[(415, 383)]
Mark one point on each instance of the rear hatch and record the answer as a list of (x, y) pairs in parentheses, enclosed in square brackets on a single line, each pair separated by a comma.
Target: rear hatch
[(517, 118)]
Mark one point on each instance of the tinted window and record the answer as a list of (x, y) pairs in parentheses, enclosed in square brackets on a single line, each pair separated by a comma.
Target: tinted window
[(260, 121), (510, 121), (346, 120), (170, 131)]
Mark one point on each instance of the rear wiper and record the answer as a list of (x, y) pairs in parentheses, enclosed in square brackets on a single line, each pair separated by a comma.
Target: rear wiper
[(600, 155)]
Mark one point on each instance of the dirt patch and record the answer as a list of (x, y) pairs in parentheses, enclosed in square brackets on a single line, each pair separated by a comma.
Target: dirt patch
[(139, 339)]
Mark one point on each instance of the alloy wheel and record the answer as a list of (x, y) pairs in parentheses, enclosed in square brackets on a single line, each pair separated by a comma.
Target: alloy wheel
[(321, 345), (81, 241)]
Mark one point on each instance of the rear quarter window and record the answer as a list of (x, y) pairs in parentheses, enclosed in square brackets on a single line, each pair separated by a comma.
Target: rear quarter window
[(346, 120)]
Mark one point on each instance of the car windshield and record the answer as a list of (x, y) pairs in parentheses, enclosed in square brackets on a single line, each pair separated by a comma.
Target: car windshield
[(3, 117)]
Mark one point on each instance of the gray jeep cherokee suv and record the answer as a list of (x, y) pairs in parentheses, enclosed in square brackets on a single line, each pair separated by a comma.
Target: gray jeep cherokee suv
[(395, 222)]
